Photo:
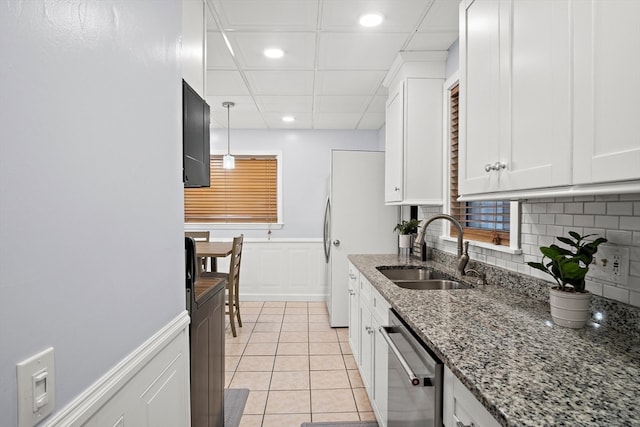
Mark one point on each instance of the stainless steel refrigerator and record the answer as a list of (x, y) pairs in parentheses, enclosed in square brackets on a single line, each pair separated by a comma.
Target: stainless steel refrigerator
[(356, 221)]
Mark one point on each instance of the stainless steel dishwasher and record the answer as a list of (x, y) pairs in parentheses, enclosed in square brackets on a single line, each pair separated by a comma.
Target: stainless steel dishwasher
[(415, 379)]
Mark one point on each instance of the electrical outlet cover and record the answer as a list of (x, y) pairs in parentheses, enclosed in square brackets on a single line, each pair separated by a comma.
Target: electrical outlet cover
[(611, 264)]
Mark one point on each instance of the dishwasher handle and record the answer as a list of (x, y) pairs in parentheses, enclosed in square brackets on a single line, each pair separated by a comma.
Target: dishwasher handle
[(413, 378)]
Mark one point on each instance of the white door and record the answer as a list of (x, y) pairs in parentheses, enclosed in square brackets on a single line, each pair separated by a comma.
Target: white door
[(360, 221)]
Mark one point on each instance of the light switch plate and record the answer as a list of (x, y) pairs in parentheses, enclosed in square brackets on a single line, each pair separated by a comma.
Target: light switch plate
[(36, 388)]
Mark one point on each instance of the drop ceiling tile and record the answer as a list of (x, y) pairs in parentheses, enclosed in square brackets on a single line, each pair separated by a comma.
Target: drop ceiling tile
[(272, 14), (281, 82), (336, 120), (348, 82), (299, 49), (274, 121), (218, 56), (242, 104), (432, 41), (225, 83), (372, 121), (442, 16), (341, 15), (285, 104), (240, 120), (341, 104), (343, 51)]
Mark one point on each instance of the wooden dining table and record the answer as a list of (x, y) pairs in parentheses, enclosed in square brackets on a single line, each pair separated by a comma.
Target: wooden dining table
[(212, 250)]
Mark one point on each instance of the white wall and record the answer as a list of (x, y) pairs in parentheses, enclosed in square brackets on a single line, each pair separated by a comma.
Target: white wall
[(305, 162), (91, 216)]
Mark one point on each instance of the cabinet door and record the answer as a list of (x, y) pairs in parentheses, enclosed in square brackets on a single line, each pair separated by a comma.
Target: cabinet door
[(354, 320), (480, 94), (536, 140), (394, 141), (366, 347), (380, 373), (459, 406), (423, 158), (606, 91)]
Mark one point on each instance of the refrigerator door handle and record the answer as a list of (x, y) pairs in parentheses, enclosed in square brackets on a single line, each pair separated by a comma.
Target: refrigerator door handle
[(327, 230)]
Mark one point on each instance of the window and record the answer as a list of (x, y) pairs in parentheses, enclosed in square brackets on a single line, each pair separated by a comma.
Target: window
[(481, 221), (246, 194)]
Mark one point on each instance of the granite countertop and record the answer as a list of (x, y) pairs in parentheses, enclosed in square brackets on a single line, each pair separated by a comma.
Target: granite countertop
[(504, 347)]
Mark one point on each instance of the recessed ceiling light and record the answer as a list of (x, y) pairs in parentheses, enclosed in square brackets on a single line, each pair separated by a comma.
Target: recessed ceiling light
[(371, 20), (288, 119), (274, 53)]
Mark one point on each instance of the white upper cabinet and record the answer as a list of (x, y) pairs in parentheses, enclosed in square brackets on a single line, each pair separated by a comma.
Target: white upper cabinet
[(413, 133), (515, 93), (606, 91), (548, 98), (394, 135)]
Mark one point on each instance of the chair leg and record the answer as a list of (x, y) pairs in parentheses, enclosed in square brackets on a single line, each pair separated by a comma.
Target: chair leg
[(238, 310), (232, 321)]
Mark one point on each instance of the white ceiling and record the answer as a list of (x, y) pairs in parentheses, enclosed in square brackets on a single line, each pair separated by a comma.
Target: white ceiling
[(331, 74)]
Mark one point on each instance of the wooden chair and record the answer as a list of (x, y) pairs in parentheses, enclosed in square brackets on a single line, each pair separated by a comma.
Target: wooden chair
[(202, 236), (233, 283)]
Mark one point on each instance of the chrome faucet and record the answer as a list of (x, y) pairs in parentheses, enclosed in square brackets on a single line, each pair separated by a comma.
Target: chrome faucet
[(463, 257)]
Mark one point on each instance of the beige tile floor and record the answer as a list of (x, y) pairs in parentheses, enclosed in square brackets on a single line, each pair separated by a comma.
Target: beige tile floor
[(297, 368)]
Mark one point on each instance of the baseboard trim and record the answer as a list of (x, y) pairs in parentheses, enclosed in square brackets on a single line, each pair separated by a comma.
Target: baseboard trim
[(93, 398), (281, 297)]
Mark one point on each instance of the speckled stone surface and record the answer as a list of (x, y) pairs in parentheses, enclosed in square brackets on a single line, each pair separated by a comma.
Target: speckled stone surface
[(504, 347)]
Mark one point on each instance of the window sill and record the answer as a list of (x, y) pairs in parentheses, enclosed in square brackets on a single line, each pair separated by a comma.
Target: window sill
[(483, 245), (210, 226)]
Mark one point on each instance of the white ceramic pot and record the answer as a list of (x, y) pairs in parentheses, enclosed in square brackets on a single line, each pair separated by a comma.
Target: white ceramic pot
[(404, 240), (569, 309)]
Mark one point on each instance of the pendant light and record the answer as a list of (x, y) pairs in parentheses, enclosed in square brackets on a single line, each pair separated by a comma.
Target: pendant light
[(228, 161)]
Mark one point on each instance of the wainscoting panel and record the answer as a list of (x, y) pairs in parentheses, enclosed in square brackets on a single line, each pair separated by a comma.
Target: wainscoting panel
[(149, 388), (282, 270)]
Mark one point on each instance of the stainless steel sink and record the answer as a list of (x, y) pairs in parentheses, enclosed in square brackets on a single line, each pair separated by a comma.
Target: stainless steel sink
[(420, 278), (410, 273), (430, 284)]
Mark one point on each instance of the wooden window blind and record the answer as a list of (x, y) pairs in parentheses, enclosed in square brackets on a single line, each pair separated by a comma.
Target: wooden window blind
[(481, 221), (246, 194)]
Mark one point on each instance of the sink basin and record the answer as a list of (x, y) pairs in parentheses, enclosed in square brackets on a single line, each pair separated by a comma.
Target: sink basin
[(430, 284), (394, 274), (420, 278)]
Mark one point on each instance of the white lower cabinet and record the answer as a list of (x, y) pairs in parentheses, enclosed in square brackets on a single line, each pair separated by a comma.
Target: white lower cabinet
[(460, 406), (368, 310), (354, 310)]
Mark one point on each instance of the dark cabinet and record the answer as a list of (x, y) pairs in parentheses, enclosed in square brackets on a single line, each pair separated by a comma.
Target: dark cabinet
[(207, 353)]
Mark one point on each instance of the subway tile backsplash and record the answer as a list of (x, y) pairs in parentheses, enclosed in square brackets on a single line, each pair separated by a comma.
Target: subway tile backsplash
[(616, 217)]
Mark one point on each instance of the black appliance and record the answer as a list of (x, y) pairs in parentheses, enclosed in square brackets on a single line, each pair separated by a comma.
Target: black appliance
[(195, 139)]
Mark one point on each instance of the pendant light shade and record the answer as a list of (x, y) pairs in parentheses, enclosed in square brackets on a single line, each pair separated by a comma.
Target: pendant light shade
[(228, 161)]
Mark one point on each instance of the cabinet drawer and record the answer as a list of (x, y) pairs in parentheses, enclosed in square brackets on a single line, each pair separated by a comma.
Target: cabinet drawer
[(365, 291), (379, 307)]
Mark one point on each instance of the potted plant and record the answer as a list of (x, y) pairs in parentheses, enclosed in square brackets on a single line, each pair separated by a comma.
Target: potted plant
[(405, 229), (569, 300)]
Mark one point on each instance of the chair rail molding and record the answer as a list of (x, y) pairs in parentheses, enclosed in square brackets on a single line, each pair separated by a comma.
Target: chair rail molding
[(149, 385)]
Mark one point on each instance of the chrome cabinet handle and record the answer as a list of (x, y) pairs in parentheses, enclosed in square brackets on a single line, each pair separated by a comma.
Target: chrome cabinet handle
[(494, 167), (352, 292), (461, 424), (352, 276), (336, 242), (396, 189)]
